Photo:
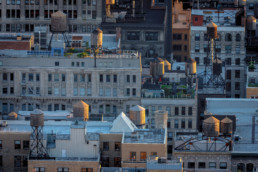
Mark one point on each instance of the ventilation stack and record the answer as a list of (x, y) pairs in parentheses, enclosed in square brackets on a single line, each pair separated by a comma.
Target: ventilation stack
[(137, 116), (161, 119), (81, 111), (37, 149)]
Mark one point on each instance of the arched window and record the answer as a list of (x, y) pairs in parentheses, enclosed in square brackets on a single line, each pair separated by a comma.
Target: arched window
[(238, 37), (241, 167), (249, 167), (228, 37)]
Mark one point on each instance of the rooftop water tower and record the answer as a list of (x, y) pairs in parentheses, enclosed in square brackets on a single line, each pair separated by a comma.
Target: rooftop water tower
[(96, 42)]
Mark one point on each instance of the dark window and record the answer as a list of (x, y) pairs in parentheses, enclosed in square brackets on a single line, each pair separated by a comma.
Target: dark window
[(26, 144), (56, 63), (134, 91), (168, 124), (49, 77), (89, 77), (107, 78), (183, 123), (190, 123), (117, 146), (238, 37), (63, 77), (185, 37), (1, 144), (228, 37), (197, 59), (177, 47), (114, 78), (127, 78), (228, 61), (105, 146), (190, 111), (117, 161), (143, 156), (25, 161), (183, 110), (206, 37), (105, 161), (1, 161), (151, 36), (134, 78), (237, 73), (185, 47), (197, 37), (75, 77), (201, 165), (176, 111), (176, 123), (30, 76), (228, 74), (5, 76), (82, 77), (177, 37), (212, 165), (5, 90), (100, 78), (17, 144), (128, 91), (17, 161), (56, 107), (133, 35), (237, 86), (191, 165), (11, 76), (238, 61), (37, 77), (62, 169)]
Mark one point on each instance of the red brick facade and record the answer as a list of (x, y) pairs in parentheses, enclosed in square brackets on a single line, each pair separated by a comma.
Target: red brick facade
[(197, 20), (15, 45)]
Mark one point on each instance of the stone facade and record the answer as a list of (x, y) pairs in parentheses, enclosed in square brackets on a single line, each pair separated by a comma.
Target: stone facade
[(23, 16), (58, 83)]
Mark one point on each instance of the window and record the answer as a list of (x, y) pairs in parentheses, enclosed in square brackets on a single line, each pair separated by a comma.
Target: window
[(11, 77), (114, 109), (176, 123), (206, 48), (168, 108), (108, 109), (190, 123), (117, 161), (114, 92), (89, 77), (177, 37), (39, 169), (183, 111), (62, 169), (114, 78), (5, 91), (75, 91), (197, 48), (5, 76), (75, 77), (183, 123), (237, 73), (56, 107), (100, 109), (228, 61), (100, 78), (82, 77), (185, 48), (151, 36), (197, 37), (82, 91), (201, 165), (117, 146), (143, 156), (190, 111), (191, 165), (37, 77), (238, 37), (237, 85), (30, 76), (218, 48), (185, 37), (228, 49), (87, 170), (127, 78), (197, 59), (100, 91), (17, 161), (1, 161), (228, 37), (88, 91), (63, 77), (132, 156), (105, 146), (238, 61), (17, 144), (49, 107), (177, 47), (56, 63), (49, 77), (212, 164), (228, 86), (128, 91), (153, 154), (133, 35), (108, 92), (49, 91), (237, 49), (1, 144), (26, 144), (223, 165), (168, 123), (228, 74), (24, 77), (134, 91), (176, 111), (25, 161), (134, 78), (107, 78)]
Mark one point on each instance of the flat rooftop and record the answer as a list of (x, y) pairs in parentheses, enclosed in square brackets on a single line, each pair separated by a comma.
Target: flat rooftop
[(154, 136)]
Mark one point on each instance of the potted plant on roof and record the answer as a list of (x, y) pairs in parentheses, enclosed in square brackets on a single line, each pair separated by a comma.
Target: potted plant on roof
[(251, 66)]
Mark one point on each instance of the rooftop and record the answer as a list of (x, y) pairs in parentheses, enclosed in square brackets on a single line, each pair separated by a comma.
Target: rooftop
[(143, 136)]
